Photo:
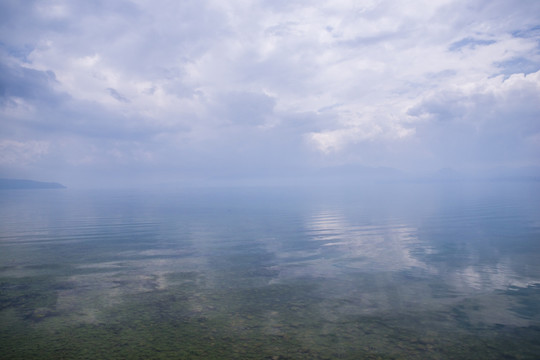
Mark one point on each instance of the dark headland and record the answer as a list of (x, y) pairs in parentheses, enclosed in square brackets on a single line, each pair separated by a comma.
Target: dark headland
[(28, 184)]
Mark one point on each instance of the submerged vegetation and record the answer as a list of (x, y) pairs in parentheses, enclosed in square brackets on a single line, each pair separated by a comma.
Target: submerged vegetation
[(294, 320)]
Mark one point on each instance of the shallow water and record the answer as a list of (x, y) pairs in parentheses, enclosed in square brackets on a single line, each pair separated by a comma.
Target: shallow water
[(412, 271)]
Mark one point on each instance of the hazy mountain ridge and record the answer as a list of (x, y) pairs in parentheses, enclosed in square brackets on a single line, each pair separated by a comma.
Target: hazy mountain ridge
[(28, 184), (358, 172), (526, 173)]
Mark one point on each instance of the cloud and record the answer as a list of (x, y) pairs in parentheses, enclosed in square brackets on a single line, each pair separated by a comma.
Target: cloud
[(19, 82), (244, 108), (17, 153), (226, 85), (495, 121), (116, 95)]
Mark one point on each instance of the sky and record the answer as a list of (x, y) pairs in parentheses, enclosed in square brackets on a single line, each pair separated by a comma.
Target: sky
[(148, 92)]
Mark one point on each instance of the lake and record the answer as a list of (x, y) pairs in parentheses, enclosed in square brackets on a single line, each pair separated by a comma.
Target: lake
[(373, 271)]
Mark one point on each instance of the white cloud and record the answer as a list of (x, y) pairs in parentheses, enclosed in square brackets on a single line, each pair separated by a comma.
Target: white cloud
[(490, 122), (18, 153)]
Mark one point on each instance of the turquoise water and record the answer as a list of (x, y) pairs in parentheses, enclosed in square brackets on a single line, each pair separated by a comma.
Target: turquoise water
[(412, 271)]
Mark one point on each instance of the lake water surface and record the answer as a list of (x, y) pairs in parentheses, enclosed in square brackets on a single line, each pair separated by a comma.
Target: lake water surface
[(412, 271)]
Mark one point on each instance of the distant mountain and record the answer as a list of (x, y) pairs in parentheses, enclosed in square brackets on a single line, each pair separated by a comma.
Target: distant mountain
[(530, 173), (28, 184), (524, 173), (360, 173), (441, 175)]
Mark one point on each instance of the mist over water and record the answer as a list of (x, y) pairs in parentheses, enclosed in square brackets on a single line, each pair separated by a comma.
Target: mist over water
[(418, 270)]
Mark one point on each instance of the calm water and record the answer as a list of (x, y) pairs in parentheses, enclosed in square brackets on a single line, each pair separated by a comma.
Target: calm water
[(416, 271)]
